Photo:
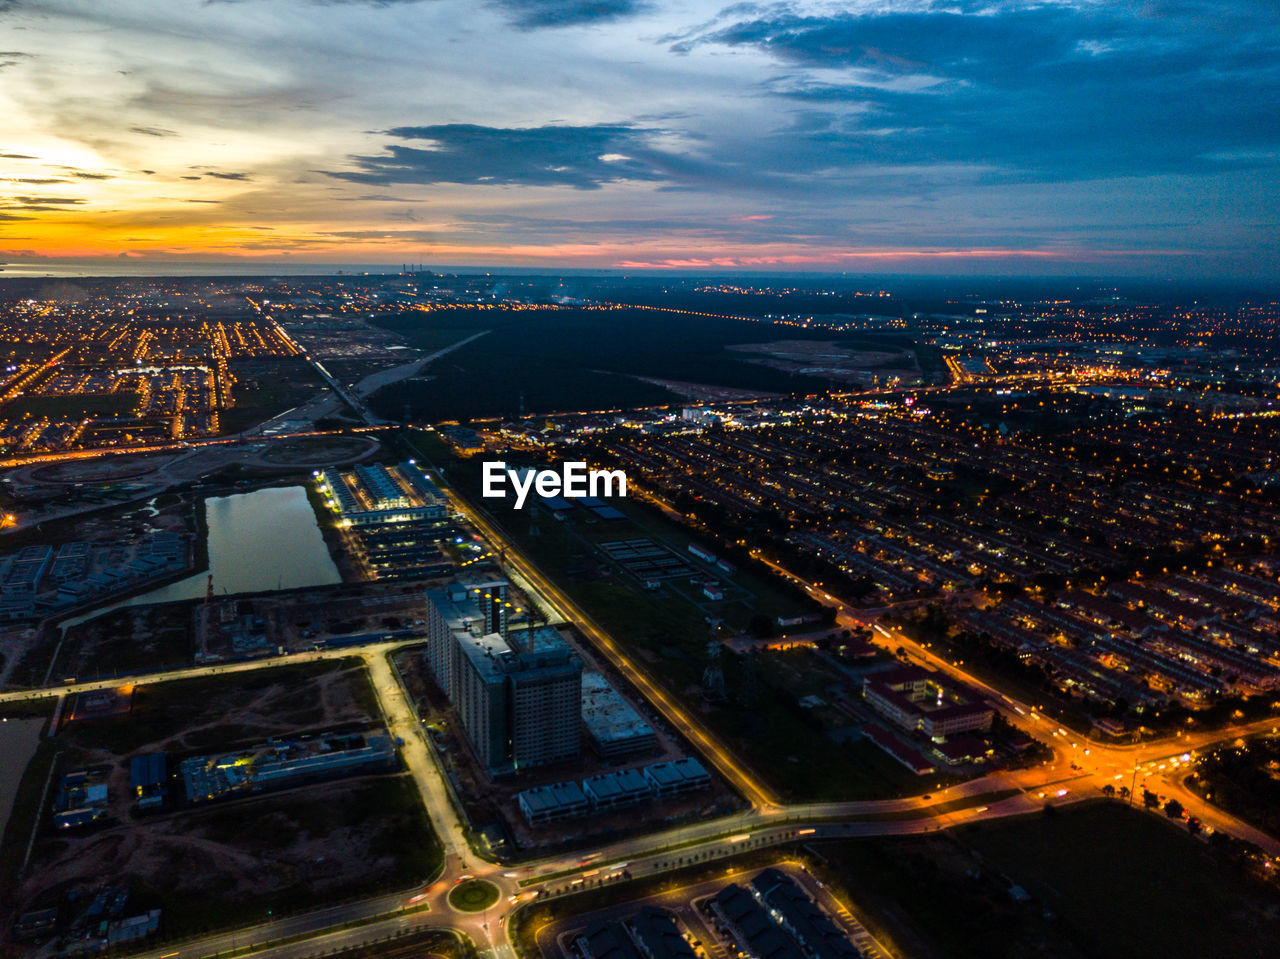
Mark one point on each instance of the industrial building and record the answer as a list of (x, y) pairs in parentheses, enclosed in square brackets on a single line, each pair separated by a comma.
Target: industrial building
[(81, 798), (149, 779), (373, 495), (286, 762)]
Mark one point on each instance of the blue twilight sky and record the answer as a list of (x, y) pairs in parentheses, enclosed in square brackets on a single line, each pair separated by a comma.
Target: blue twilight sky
[(1004, 137)]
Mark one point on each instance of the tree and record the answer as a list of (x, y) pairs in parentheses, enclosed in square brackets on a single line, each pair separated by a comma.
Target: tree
[(1150, 799), (1173, 809), (1109, 790)]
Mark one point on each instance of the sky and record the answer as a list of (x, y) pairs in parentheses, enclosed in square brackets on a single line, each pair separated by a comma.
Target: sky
[(1017, 138)]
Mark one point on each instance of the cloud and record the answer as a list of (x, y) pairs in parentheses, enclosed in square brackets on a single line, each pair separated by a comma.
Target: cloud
[(14, 156), (1044, 92), (583, 157), (226, 176), (540, 14), (11, 58), (44, 201), (96, 176), (33, 181), (153, 131)]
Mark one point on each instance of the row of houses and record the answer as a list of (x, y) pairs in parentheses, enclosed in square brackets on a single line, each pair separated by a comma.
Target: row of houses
[(606, 792)]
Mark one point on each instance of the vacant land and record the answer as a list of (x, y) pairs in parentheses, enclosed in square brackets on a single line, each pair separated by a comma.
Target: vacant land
[(230, 861), (133, 639), (267, 387), (244, 861), (1098, 881), (554, 360), (211, 712), (1243, 779)]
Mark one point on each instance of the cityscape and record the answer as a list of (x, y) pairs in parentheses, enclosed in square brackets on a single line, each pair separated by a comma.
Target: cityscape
[(612, 480)]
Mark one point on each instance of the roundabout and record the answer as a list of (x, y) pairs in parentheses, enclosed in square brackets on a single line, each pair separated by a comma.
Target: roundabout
[(473, 895)]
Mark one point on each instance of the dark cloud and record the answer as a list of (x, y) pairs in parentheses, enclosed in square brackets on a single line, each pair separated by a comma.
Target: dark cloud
[(153, 131), (374, 198), (96, 176), (45, 201), (584, 157), (10, 58), (541, 14), (226, 176), (191, 177), (14, 156), (33, 181), (1044, 92)]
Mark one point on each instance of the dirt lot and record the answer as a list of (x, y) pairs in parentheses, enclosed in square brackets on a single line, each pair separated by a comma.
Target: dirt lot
[(209, 866), (215, 867), (129, 640), (212, 712)]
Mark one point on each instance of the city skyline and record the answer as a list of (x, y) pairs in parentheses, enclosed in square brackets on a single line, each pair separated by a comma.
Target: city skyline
[(1002, 138)]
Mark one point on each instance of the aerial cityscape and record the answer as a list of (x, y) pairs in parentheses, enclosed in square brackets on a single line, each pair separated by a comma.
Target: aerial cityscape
[(549, 479)]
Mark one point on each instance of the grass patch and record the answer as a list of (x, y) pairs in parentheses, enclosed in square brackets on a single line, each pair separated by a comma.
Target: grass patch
[(1104, 881), (474, 895), (72, 406), (26, 810)]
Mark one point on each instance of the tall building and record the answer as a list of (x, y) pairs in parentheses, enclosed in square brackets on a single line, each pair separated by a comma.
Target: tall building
[(518, 694), (449, 611), (481, 698), (546, 698), (474, 609)]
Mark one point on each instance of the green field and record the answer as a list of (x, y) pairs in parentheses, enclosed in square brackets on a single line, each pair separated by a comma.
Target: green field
[(267, 387), (71, 407), (1103, 881), (548, 361), (474, 895)]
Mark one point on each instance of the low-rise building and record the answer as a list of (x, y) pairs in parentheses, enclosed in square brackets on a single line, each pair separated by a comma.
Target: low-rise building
[(916, 700)]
